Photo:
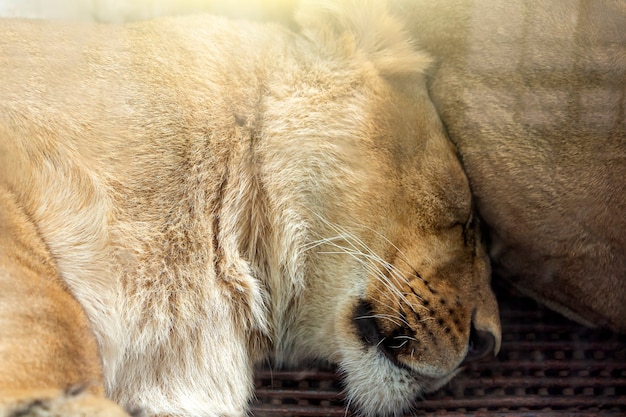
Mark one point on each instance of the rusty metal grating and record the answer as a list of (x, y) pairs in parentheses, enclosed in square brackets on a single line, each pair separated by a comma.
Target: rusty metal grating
[(548, 366)]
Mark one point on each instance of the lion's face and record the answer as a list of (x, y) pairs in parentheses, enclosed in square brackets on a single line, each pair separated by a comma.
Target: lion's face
[(402, 273), (396, 288)]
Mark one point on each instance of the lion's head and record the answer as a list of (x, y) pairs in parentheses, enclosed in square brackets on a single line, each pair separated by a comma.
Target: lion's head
[(387, 275)]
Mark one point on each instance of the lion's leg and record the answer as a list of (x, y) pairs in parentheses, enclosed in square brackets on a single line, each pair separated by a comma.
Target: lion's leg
[(47, 348)]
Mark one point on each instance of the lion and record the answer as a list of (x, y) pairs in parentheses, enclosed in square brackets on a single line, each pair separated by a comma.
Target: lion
[(533, 95), (184, 198)]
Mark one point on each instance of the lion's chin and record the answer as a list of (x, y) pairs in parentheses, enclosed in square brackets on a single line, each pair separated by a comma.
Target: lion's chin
[(377, 387)]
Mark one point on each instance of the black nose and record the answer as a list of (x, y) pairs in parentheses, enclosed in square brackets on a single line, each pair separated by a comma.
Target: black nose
[(481, 344), (370, 334), (366, 324)]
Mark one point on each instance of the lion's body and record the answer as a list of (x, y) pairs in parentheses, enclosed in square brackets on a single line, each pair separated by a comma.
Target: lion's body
[(183, 198), (120, 200), (533, 94)]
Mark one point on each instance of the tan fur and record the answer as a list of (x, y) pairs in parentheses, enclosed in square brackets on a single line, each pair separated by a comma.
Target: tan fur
[(533, 94), (186, 197)]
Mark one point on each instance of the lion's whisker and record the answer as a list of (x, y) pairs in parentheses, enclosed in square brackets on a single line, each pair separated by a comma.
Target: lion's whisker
[(410, 338), (370, 268), (355, 250), (383, 317), (380, 341), (403, 255), (376, 272), (400, 345), (360, 242)]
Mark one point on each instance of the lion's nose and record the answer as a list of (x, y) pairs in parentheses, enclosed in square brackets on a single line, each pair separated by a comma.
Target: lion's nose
[(366, 324), (481, 344), (370, 333)]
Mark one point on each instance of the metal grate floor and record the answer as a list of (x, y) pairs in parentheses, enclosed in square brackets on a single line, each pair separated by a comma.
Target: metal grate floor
[(548, 367)]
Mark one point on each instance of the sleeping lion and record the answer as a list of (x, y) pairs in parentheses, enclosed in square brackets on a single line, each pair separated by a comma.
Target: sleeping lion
[(184, 198)]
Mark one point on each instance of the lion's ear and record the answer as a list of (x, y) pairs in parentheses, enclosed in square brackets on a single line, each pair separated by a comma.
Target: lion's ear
[(349, 27)]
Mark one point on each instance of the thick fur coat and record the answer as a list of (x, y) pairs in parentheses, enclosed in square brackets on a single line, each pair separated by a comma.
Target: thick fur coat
[(183, 198)]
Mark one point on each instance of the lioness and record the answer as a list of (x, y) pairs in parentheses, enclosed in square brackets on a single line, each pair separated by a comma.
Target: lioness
[(183, 198), (533, 93)]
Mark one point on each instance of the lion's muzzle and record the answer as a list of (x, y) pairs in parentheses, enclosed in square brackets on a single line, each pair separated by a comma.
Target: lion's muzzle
[(406, 347)]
